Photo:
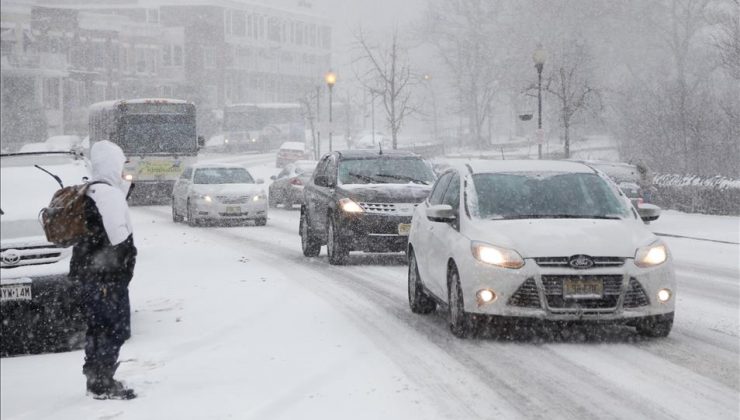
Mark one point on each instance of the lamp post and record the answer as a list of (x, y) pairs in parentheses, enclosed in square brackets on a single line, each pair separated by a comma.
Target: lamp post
[(539, 62), (317, 146), (331, 79)]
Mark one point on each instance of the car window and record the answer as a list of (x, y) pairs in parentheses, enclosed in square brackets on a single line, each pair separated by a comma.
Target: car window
[(383, 170), (222, 176), (186, 174), (452, 195), (439, 189), (321, 167), (331, 170)]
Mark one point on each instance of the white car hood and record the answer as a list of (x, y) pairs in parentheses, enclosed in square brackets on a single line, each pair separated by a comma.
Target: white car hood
[(533, 238), (228, 189)]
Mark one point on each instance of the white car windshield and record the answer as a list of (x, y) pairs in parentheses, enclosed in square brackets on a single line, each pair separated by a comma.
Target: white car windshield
[(545, 195), (222, 176)]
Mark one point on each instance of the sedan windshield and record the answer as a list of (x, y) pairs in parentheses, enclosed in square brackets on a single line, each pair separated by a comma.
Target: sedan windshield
[(545, 195), (222, 176), (385, 171)]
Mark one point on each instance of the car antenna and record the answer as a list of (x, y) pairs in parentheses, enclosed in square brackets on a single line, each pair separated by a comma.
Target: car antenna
[(59, 180)]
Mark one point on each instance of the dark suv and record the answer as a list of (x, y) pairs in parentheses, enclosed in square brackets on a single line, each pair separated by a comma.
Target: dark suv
[(362, 200)]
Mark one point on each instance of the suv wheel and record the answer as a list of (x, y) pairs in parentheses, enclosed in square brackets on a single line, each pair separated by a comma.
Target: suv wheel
[(310, 245), (655, 326), (190, 216), (419, 301), (175, 217), (460, 322), (338, 253)]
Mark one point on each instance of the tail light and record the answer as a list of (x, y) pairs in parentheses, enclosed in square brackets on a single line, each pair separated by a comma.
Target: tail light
[(296, 181)]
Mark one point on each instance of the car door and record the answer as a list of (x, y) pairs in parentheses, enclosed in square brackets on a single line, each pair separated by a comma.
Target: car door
[(442, 236), (423, 236), (310, 192), (180, 190)]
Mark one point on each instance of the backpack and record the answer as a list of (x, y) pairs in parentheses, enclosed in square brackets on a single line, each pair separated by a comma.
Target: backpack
[(64, 219)]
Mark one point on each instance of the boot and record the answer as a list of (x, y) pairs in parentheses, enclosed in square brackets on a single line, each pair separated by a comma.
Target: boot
[(102, 386)]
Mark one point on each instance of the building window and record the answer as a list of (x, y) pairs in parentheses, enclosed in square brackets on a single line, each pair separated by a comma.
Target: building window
[(166, 55), (51, 93), (273, 29), (140, 60), (209, 58), (177, 55), (238, 23), (250, 26), (152, 15)]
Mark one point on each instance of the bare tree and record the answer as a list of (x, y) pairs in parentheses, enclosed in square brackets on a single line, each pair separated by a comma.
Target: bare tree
[(727, 41), (464, 34), (308, 109), (387, 71), (571, 85)]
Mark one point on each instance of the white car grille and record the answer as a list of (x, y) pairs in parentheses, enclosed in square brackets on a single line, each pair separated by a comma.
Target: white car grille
[(233, 199), (598, 262), (389, 209), (33, 255)]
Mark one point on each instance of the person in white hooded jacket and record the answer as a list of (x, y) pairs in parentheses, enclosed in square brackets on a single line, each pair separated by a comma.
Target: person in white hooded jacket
[(103, 263)]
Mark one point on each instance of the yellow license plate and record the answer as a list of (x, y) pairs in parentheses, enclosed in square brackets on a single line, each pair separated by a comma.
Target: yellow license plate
[(583, 289), (404, 229), (158, 168), (233, 209)]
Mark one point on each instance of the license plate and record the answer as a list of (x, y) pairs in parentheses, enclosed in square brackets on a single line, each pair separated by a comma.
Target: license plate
[(583, 289), (10, 292), (404, 229), (233, 209)]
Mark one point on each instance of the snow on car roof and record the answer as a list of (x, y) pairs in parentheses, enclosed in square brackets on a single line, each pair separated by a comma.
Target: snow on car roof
[(109, 104), (528, 166), (215, 165)]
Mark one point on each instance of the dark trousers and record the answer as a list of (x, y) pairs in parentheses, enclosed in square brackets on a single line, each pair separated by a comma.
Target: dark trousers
[(108, 314)]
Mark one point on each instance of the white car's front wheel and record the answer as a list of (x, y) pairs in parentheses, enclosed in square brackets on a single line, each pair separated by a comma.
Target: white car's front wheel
[(460, 322), (419, 301)]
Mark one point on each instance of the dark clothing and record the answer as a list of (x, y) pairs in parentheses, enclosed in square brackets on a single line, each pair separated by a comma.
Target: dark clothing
[(104, 272)]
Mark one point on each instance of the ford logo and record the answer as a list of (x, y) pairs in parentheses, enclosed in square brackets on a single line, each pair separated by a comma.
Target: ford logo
[(581, 261), (11, 257)]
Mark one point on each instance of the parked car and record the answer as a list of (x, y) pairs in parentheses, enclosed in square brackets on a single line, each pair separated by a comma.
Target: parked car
[(362, 200), (633, 192), (289, 152), (538, 240), (218, 192), (287, 186), (40, 311)]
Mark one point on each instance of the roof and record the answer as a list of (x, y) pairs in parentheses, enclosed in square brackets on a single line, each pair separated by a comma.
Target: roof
[(109, 104), (482, 166), (373, 153)]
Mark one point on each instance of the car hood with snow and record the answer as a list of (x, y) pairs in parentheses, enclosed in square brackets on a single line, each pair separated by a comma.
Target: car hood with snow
[(228, 189), (535, 238), (385, 193)]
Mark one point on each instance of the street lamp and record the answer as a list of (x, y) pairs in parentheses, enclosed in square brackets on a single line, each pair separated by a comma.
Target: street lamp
[(331, 79), (539, 62)]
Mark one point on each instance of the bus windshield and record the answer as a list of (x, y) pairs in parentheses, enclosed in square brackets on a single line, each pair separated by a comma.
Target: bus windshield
[(158, 133)]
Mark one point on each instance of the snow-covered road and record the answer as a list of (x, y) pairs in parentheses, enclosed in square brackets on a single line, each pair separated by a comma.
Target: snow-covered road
[(233, 322)]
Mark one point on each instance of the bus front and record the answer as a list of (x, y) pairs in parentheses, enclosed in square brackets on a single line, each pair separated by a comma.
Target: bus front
[(159, 138)]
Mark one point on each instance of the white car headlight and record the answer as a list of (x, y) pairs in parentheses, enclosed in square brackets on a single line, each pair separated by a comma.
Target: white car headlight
[(204, 197), (259, 197), (491, 254), (349, 206), (651, 255)]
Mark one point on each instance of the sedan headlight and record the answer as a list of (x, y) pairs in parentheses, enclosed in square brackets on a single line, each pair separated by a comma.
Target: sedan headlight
[(349, 206), (651, 255), (491, 254), (259, 197)]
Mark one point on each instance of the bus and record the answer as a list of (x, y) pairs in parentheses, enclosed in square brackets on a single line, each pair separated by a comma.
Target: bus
[(263, 126), (157, 135)]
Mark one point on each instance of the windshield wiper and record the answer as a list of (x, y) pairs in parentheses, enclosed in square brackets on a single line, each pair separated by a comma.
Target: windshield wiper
[(367, 178), (404, 178), (556, 216)]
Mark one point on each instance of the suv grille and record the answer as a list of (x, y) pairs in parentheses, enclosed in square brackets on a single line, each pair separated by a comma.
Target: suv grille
[(554, 292), (599, 262), (526, 296), (233, 199), (391, 209), (635, 295), (32, 255)]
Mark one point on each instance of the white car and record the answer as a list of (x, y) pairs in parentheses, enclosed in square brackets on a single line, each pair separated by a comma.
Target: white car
[(543, 240), (218, 192)]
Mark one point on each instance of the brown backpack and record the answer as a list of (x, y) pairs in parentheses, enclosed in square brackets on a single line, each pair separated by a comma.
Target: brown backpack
[(64, 219)]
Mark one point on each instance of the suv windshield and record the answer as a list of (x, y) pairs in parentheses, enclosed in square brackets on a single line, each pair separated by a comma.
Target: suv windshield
[(222, 176), (546, 195), (383, 170)]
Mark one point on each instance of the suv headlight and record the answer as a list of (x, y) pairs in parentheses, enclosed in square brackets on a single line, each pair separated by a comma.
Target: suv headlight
[(259, 197), (495, 255), (349, 206), (204, 197), (651, 255)]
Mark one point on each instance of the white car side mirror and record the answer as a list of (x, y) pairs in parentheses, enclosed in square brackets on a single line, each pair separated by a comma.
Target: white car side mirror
[(442, 213), (648, 212)]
